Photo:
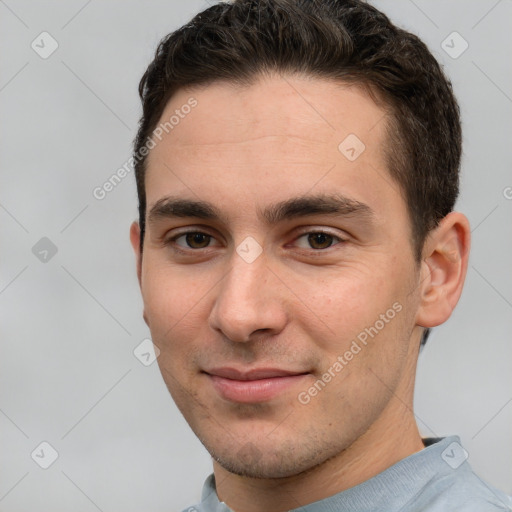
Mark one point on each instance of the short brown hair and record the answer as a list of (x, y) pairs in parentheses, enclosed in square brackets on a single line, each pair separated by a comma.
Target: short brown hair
[(344, 40)]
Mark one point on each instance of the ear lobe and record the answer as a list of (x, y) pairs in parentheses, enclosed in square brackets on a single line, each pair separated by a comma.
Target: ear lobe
[(444, 267), (135, 241)]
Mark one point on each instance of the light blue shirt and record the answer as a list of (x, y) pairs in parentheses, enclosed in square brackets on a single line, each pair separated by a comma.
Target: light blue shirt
[(435, 479)]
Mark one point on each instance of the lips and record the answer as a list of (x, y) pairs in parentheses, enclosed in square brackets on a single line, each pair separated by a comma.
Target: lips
[(253, 386)]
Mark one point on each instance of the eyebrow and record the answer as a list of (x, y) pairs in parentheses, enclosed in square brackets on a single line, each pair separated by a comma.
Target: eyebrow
[(297, 207)]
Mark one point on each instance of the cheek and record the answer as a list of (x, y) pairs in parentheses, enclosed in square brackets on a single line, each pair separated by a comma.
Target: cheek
[(345, 303), (172, 301), (173, 306)]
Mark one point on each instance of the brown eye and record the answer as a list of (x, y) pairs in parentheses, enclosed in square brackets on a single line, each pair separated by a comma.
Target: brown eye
[(197, 240), (191, 240), (320, 240)]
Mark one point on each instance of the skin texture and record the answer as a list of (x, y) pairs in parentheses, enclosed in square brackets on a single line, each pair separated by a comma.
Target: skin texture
[(301, 303)]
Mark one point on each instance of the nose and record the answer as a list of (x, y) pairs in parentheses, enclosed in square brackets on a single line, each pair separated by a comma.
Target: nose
[(250, 301)]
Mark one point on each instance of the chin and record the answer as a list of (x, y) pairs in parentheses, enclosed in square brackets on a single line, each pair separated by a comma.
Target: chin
[(261, 469), (261, 460)]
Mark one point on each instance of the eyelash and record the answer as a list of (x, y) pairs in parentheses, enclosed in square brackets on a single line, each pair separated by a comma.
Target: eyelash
[(172, 240)]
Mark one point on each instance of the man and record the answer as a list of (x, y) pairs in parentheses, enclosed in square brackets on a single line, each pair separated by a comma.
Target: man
[(297, 169)]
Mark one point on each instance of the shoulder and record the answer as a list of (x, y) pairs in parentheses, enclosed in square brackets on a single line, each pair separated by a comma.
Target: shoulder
[(460, 491)]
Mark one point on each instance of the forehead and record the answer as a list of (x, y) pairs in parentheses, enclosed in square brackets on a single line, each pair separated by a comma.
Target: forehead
[(281, 135), (310, 108)]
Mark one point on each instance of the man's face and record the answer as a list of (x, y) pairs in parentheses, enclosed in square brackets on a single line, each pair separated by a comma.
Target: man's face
[(282, 359)]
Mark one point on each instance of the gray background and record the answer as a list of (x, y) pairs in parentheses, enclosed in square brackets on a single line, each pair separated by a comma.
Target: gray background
[(70, 324)]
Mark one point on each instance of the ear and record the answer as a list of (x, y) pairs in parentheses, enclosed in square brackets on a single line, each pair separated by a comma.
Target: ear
[(443, 269), (135, 241)]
